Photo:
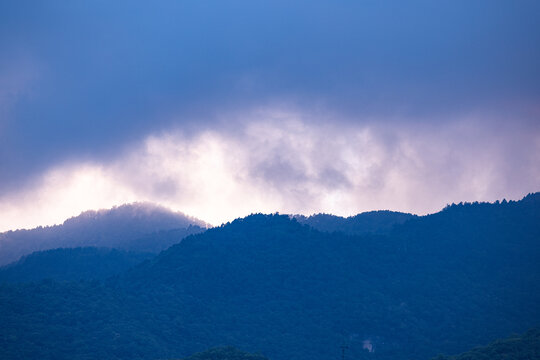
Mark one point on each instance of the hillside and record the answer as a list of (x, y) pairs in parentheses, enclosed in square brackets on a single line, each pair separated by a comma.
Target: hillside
[(442, 283), (73, 264), (517, 347), (124, 227)]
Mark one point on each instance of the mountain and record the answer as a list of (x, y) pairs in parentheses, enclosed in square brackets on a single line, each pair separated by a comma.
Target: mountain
[(516, 347), (442, 283), (378, 222), (87, 263), (124, 227)]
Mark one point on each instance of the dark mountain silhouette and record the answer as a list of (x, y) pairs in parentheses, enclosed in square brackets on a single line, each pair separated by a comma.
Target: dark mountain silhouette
[(516, 347), (87, 263), (123, 227), (442, 283), (378, 222)]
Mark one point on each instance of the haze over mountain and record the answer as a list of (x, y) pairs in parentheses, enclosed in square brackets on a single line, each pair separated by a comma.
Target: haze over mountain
[(442, 283), (123, 227)]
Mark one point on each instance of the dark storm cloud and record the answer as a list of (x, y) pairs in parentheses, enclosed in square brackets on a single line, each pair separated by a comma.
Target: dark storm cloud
[(81, 80)]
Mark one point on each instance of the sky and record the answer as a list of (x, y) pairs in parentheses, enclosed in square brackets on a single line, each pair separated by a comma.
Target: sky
[(220, 109)]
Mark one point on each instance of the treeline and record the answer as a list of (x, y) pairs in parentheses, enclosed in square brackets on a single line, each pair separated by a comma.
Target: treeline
[(372, 222)]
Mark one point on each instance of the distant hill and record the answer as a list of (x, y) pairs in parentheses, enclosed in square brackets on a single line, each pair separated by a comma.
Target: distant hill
[(73, 264), (377, 222), (124, 227), (442, 283), (517, 347)]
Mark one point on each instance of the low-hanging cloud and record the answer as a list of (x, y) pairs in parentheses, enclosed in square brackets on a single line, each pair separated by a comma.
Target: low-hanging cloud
[(286, 161), (82, 81)]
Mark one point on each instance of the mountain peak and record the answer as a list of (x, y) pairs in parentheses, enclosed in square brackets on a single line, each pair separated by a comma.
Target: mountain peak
[(137, 211), (124, 227)]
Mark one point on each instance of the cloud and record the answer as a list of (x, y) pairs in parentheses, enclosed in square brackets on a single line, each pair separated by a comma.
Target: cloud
[(101, 77), (60, 193), (287, 161)]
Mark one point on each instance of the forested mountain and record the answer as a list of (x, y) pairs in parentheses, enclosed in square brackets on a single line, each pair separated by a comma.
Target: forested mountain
[(516, 347), (124, 227), (87, 263), (378, 222), (442, 283)]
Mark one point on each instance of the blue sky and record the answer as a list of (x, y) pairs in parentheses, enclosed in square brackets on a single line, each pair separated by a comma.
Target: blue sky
[(220, 109)]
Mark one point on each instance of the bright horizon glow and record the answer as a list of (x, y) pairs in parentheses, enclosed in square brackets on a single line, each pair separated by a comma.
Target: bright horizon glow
[(213, 110), (284, 166)]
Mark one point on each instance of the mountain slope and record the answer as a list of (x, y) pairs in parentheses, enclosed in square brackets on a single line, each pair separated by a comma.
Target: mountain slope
[(88, 263), (454, 278), (442, 283), (517, 347), (123, 227)]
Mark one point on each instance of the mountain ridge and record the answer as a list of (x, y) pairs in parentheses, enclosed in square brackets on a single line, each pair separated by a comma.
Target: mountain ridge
[(117, 227), (441, 283), (378, 221)]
